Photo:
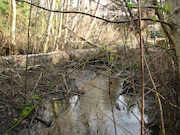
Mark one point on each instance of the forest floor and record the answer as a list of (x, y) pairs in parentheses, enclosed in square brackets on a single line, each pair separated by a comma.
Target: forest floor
[(21, 88)]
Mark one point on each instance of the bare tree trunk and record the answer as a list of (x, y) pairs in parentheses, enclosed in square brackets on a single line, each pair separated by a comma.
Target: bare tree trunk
[(93, 22), (174, 12), (172, 33), (13, 29), (60, 29), (59, 25), (67, 6), (49, 27), (167, 29)]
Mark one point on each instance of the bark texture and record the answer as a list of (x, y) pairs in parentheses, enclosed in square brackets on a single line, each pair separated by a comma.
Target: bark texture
[(174, 11)]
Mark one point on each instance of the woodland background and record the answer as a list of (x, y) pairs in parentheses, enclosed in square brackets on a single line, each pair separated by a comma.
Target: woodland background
[(150, 45)]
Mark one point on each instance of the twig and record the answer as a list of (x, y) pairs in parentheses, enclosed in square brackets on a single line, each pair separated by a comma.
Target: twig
[(65, 83), (111, 102), (158, 99), (142, 68), (36, 83), (27, 59)]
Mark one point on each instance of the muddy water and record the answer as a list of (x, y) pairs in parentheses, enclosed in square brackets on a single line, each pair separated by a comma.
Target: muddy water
[(93, 113)]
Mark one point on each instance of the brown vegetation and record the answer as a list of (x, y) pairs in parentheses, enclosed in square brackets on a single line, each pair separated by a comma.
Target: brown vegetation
[(7, 48), (72, 31)]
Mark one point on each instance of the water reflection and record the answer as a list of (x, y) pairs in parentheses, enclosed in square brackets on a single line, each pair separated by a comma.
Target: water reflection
[(92, 113)]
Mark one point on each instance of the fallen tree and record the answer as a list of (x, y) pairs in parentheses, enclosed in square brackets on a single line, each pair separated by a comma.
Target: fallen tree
[(54, 58)]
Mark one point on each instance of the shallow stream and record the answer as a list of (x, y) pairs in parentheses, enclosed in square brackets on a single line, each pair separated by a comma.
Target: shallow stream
[(99, 111)]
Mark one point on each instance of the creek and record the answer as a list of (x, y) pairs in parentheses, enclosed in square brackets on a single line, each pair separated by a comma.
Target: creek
[(101, 110)]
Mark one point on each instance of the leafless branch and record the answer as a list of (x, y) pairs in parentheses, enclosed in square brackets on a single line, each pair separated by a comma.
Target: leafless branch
[(101, 18)]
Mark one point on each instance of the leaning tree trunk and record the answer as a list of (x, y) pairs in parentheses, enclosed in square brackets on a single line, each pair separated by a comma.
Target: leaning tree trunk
[(174, 11), (172, 32)]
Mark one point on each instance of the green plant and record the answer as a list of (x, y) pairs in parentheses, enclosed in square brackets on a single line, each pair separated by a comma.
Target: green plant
[(155, 18), (129, 5), (137, 65), (26, 108), (36, 97), (166, 9), (15, 120), (165, 46), (4, 7), (105, 48), (111, 58)]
